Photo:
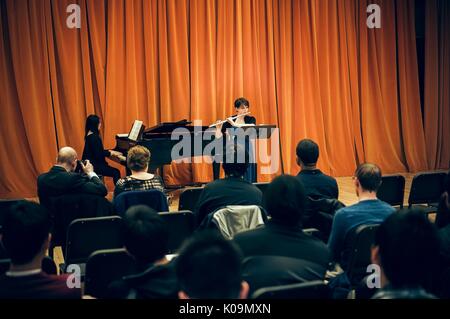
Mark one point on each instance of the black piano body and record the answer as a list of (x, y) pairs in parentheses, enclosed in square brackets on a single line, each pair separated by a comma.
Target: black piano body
[(162, 138)]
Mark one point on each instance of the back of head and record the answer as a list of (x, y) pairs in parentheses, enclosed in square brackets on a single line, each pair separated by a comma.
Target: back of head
[(25, 230), (308, 152), (209, 267), (138, 158), (285, 200), (369, 176), (236, 160), (92, 123), (66, 156), (146, 234), (408, 248)]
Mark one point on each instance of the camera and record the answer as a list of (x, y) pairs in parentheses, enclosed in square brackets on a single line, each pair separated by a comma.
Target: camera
[(84, 162)]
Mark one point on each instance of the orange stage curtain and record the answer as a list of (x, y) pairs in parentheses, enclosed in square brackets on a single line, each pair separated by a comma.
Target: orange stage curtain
[(437, 83), (311, 67)]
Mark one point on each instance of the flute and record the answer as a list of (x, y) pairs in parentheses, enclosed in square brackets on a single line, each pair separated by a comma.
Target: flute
[(230, 118)]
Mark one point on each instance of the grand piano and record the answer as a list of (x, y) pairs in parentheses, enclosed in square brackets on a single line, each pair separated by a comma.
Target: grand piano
[(160, 140)]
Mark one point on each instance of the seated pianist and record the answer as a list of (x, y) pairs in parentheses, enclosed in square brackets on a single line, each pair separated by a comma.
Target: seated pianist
[(95, 152)]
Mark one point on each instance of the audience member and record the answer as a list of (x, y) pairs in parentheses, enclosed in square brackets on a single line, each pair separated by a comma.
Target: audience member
[(62, 180), (231, 190), (146, 239), (209, 267), (317, 184), (406, 249), (26, 239), (138, 160)]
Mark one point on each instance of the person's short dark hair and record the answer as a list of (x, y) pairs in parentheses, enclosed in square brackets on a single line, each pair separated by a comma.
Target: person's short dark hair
[(146, 234), (408, 248), (209, 267), (92, 123), (235, 161), (285, 200), (26, 227), (241, 101), (308, 152), (369, 176)]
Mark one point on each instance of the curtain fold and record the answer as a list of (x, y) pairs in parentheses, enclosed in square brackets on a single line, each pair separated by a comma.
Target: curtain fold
[(311, 67), (437, 83)]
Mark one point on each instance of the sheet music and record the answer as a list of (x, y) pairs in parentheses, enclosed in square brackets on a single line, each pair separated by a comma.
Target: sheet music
[(135, 130)]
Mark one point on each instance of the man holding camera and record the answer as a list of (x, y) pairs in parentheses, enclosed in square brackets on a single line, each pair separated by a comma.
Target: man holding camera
[(62, 179)]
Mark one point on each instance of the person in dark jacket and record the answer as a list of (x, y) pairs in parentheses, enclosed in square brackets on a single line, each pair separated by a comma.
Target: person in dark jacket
[(95, 152), (61, 179), (231, 190), (146, 239), (317, 184), (287, 253)]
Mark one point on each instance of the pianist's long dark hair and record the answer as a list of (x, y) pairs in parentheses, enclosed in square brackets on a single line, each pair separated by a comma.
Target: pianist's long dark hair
[(92, 123)]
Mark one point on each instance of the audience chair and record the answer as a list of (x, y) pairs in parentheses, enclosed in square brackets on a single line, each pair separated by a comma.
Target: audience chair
[(262, 186), (307, 290), (103, 268), (86, 236), (189, 198), (361, 239), (181, 225), (319, 215), (67, 208), (392, 190), (152, 198), (3, 254), (426, 189), (268, 271)]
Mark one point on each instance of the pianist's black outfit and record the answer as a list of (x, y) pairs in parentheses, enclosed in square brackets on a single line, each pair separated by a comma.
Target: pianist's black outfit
[(251, 173), (96, 154)]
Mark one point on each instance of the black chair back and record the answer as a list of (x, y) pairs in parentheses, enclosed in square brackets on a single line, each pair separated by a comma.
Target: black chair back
[(67, 208), (189, 198), (153, 198), (3, 254), (319, 214), (88, 235), (361, 239), (307, 290), (103, 268), (426, 188), (4, 265), (269, 271), (262, 186), (392, 190), (181, 225)]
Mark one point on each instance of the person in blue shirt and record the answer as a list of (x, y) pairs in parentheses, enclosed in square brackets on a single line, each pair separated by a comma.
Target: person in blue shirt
[(369, 210)]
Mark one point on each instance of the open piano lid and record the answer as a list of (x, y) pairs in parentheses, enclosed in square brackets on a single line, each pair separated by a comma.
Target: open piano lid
[(166, 127)]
